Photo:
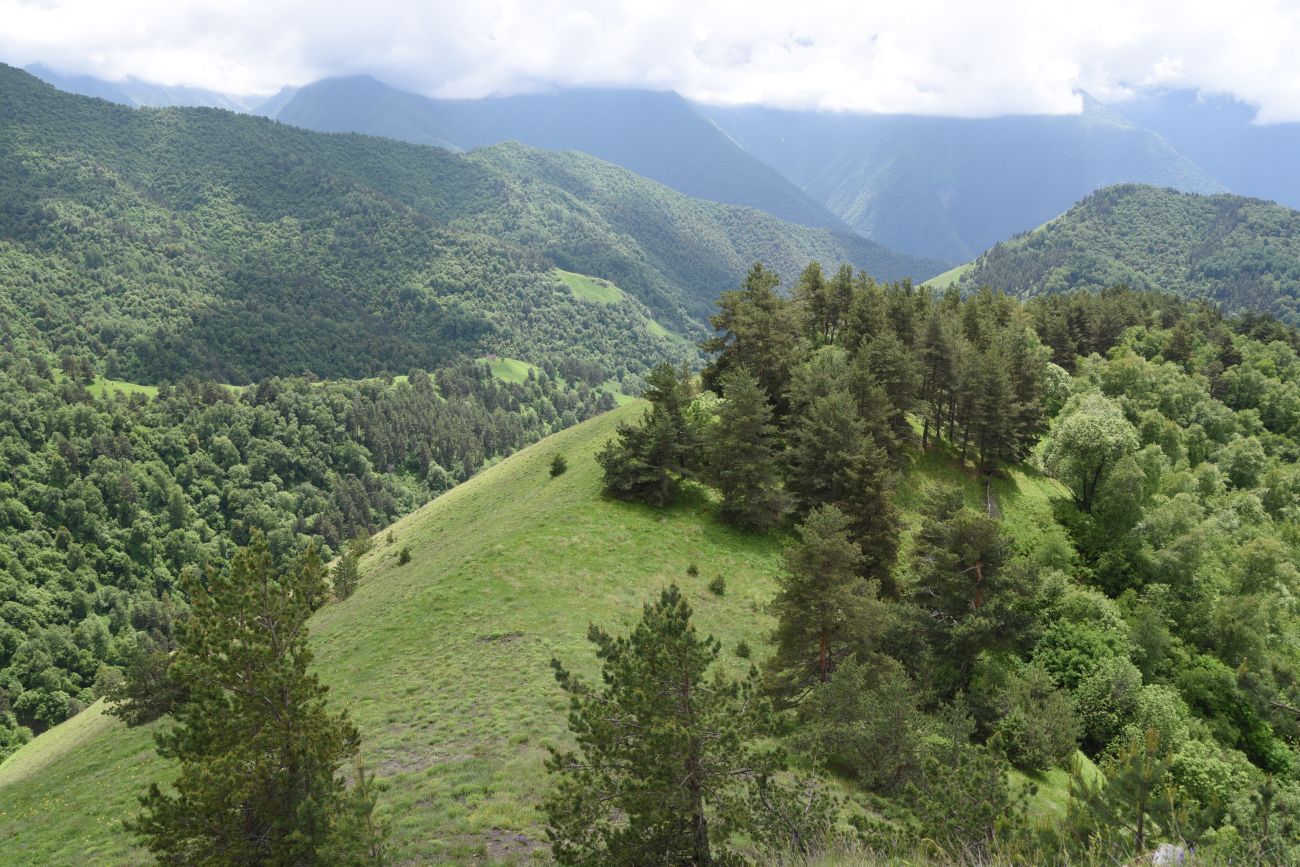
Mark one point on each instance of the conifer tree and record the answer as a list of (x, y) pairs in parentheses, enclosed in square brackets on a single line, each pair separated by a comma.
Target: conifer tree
[(662, 747), (1133, 802), (834, 461), (757, 330), (258, 750), (646, 462), (743, 461), (824, 609), (970, 597)]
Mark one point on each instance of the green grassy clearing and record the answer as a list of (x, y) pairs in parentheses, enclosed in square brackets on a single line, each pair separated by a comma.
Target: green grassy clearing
[(510, 369), (949, 277), (590, 288)]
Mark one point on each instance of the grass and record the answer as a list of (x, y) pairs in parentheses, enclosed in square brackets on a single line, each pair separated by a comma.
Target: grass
[(102, 386), (510, 369), (590, 288), (949, 277), (605, 292), (444, 663)]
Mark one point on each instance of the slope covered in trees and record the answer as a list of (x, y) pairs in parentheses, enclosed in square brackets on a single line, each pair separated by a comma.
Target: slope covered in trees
[(105, 501), (935, 654), (658, 135), (177, 241), (950, 187), (1243, 254)]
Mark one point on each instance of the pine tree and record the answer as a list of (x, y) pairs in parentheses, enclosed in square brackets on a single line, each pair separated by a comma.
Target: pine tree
[(742, 461), (661, 747), (647, 461), (1134, 800), (824, 609), (834, 461), (757, 330), (257, 747), (971, 599)]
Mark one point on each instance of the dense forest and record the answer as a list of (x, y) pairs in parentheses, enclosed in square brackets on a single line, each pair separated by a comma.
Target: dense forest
[(1243, 254), (1153, 627), (106, 501), (178, 241)]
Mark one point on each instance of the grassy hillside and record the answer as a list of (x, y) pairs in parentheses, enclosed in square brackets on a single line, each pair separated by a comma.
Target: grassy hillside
[(1241, 253), (506, 572), (949, 188)]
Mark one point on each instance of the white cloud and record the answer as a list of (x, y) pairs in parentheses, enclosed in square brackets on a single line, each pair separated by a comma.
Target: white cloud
[(924, 56)]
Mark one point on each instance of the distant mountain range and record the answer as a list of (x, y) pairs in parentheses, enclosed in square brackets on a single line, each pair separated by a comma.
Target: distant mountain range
[(1219, 133), (658, 135), (1243, 254), (950, 187), (137, 93)]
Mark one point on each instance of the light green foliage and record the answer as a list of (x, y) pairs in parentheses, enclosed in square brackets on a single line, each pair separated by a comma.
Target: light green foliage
[(1108, 701), (1087, 440), (1085, 630)]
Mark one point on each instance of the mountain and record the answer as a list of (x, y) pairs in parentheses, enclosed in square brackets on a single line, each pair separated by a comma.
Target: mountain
[(169, 241), (135, 93), (655, 134), (949, 188), (1220, 134), (1241, 253)]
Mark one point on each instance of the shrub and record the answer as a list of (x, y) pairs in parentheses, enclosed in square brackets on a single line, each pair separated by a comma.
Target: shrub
[(404, 557), (692, 570), (558, 465), (718, 585), (742, 649)]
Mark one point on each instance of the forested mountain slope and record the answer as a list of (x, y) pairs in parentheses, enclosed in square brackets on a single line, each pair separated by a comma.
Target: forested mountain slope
[(167, 241), (1241, 253), (948, 187), (655, 134)]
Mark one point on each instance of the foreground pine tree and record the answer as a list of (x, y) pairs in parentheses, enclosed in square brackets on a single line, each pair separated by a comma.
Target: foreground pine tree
[(258, 749), (665, 769)]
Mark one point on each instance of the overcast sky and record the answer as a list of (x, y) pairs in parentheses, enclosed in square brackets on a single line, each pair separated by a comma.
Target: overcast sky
[(919, 56)]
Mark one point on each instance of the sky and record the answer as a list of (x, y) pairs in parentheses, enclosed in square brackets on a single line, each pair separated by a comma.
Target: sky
[(967, 59)]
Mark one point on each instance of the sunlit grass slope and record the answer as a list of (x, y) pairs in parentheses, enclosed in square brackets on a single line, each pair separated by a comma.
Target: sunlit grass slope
[(444, 662)]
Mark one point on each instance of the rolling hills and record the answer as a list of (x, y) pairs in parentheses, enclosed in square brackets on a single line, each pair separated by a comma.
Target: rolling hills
[(1243, 254), (948, 187), (507, 569)]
